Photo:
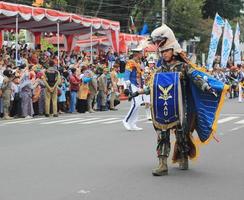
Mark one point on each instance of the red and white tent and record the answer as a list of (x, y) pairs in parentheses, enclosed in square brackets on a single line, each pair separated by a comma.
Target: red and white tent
[(94, 41), (39, 20), (128, 40), (150, 48)]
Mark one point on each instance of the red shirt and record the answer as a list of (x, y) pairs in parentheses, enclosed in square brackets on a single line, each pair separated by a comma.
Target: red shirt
[(74, 83)]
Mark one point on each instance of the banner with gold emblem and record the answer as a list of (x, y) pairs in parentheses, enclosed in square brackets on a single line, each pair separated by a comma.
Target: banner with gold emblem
[(166, 98)]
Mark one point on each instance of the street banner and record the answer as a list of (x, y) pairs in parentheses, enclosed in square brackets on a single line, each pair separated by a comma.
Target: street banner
[(216, 34), (226, 44), (237, 52)]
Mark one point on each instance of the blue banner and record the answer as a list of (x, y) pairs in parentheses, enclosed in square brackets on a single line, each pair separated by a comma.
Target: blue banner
[(237, 53), (226, 44), (216, 34)]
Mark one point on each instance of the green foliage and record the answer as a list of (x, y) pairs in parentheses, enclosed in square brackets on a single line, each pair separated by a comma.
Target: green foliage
[(226, 8), (145, 12), (184, 17), (56, 4), (45, 45), (205, 30)]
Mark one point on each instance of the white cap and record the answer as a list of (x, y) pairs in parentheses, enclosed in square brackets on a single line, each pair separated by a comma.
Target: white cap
[(137, 49)]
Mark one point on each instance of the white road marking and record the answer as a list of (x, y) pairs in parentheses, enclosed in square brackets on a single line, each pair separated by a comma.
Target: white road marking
[(240, 122), (22, 121), (237, 128), (231, 114), (81, 120), (141, 120), (62, 120), (226, 119), (113, 121), (120, 120), (101, 120), (83, 191)]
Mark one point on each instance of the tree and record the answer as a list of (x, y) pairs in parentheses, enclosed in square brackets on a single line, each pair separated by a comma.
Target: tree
[(184, 18), (55, 4), (226, 8), (205, 29), (111, 9), (147, 11)]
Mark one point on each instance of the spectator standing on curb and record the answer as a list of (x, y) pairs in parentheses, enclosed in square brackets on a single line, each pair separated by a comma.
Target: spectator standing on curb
[(74, 87), (114, 86), (51, 80), (6, 93), (41, 100), (26, 92), (102, 89), (92, 93), (62, 97)]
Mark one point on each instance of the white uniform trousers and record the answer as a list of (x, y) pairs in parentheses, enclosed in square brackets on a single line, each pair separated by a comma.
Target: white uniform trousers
[(132, 116), (240, 93)]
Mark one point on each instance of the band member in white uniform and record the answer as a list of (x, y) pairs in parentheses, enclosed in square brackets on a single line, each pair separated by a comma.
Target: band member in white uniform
[(133, 83)]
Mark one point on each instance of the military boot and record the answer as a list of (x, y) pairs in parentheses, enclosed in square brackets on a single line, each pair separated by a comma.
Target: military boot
[(162, 168), (183, 164)]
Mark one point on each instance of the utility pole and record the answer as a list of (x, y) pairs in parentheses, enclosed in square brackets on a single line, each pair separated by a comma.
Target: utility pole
[(163, 11)]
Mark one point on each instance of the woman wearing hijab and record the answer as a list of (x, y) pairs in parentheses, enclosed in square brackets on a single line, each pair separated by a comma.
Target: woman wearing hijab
[(26, 93), (83, 92)]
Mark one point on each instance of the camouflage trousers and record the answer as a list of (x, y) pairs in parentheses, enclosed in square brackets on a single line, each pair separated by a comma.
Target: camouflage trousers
[(163, 141)]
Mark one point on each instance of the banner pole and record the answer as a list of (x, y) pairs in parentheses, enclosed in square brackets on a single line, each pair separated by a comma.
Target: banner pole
[(16, 39), (58, 42)]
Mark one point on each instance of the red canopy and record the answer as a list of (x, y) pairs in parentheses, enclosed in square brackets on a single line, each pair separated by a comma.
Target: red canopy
[(40, 20), (126, 40), (45, 20), (101, 40), (151, 48), (130, 37)]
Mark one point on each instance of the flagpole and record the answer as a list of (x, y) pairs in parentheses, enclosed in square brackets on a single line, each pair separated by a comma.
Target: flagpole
[(163, 11), (91, 61), (132, 24), (16, 40), (58, 31)]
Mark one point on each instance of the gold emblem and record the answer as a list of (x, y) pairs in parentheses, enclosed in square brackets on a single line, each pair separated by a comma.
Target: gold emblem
[(165, 96), (165, 92)]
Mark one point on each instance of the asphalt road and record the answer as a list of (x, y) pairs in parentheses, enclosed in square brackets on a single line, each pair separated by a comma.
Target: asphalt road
[(92, 156)]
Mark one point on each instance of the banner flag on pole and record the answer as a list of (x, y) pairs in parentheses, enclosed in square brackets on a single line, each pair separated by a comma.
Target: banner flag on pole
[(132, 27), (226, 44), (237, 52), (216, 34)]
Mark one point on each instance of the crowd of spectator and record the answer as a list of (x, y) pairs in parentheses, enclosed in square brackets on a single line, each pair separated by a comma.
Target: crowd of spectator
[(36, 83), (232, 76)]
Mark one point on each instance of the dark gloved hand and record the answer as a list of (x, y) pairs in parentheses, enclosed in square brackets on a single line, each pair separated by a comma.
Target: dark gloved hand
[(127, 92), (135, 94), (212, 91)]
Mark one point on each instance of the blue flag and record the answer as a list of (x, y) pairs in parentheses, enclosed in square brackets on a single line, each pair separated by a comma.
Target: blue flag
[(144, 30), (226, 44), (216, 34)]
